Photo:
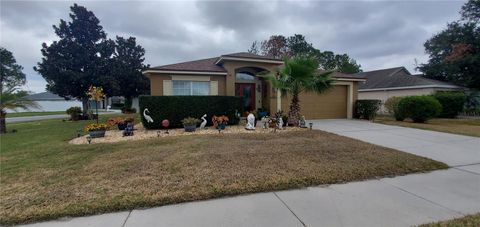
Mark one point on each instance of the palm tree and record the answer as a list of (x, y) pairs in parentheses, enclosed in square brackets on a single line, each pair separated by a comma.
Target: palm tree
[(299, 74), (13, 99)]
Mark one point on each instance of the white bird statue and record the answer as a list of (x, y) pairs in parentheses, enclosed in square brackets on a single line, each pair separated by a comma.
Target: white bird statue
[(204, 121), (148, 118)]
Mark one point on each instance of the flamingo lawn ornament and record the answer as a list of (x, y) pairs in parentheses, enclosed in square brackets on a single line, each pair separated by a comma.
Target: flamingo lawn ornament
[(204, 121), (147, 117)]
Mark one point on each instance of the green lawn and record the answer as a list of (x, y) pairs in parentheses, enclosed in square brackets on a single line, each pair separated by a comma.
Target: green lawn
[(28, 114), (467, 221), (469, 127), (43, 177)]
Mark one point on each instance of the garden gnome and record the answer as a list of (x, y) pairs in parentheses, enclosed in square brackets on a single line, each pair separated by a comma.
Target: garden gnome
[(204, 121), (280, 123), (264, 122), (250, 122), (302, 122)]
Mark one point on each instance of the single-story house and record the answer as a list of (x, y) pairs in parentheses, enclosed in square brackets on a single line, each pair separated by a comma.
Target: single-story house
[(237, 75), (48, 101), (385, 83)]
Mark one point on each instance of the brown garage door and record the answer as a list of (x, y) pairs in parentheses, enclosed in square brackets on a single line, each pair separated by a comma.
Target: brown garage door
[(332, 104)]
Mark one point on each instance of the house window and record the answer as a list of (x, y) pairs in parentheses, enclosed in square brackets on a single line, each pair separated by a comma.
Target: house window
[(244, 76), (185, 87)]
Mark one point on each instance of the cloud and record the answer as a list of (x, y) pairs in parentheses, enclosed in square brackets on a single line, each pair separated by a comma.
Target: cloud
[(377, 34)]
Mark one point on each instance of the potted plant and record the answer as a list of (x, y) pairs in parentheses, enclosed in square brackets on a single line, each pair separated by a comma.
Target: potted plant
[(74, 113), (96, 130), (190, 124), (120, 122)]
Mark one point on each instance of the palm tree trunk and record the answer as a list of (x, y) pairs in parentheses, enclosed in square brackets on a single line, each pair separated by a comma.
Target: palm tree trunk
[(294, 111), (3, 126)]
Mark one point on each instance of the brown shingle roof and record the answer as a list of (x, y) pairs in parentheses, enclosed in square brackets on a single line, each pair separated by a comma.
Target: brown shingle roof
[(250, 55), (396, 77), (205, 65)]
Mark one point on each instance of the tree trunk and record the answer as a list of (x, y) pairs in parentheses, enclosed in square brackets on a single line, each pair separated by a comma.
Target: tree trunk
[(294, 111), (85, 106), (128, 102), (3, 126)]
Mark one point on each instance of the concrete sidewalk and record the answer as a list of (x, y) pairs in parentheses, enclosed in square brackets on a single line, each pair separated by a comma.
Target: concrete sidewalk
[(400, 201)]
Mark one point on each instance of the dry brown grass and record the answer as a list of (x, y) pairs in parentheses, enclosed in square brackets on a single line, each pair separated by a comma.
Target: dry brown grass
[(99, 178), (466, 221), (469, 127)]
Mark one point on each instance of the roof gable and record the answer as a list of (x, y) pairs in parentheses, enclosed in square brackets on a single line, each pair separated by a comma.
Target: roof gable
[(204, 65)]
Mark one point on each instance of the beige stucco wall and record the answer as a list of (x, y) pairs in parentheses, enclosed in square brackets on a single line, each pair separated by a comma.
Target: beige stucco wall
[(156, 83), (384, 95)]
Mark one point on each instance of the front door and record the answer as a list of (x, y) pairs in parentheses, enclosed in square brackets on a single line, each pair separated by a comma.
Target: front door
[(247, 91)]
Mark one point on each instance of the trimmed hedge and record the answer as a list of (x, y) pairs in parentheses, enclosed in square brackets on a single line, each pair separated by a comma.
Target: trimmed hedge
[(367, 108), (176, 108), (419, 108), (391, 104), (452, 103)]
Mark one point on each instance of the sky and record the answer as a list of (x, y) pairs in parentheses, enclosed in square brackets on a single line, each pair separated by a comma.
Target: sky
[(377, 34)]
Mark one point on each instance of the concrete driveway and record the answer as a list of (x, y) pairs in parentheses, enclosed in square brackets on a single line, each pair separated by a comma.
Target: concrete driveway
[(454, 150)]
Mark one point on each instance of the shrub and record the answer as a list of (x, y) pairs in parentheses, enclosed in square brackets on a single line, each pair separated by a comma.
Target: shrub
[(126, 110), (391, 104), (190, 121), (419, 108), (367, 109), (176, 108), (74, 112), (452, 103)]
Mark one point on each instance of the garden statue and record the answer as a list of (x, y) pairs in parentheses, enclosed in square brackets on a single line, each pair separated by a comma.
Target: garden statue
[(165, 124), (302, 122), (264, 122), (280, 123), (147, 117), (128, 129), (204, 121), (250, 122)]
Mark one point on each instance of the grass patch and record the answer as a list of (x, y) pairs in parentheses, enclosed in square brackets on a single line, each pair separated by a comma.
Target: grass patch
[(469, 127), (43, 177), (467, 221), (29, 114)]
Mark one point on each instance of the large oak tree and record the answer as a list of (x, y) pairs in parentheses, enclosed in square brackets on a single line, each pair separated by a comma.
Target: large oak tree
[(455, 52), (80, 58)]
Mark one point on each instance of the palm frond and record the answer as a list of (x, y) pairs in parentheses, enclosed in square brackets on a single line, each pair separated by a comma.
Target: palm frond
[(14, 99)]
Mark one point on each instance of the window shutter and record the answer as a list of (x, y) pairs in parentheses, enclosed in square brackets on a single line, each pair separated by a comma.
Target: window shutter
[(167, 87), (213, 87)]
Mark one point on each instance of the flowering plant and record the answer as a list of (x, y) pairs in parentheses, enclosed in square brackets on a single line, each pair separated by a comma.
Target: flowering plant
[(95, 93), (96, 127), (119, 120)]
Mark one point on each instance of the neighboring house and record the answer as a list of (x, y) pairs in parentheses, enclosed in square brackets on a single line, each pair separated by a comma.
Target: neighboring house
[(237, 75), (48, 101), (385, 83)]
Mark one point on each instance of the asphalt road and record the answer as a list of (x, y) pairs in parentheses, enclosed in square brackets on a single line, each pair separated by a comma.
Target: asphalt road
[(46, 117)]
